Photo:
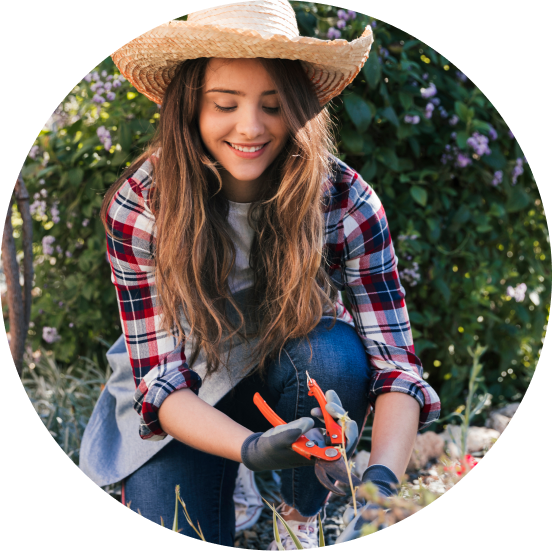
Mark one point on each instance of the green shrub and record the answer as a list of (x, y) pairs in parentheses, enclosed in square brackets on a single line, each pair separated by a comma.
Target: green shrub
[(467, 243)]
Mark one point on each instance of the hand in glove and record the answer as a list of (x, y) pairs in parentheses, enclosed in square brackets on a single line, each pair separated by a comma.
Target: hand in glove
[(387, 484), (335, 409), (271, 450)]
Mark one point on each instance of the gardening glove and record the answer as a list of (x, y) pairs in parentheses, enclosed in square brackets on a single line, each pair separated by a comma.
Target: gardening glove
[(387, 484), (335, 409), (271, 450)]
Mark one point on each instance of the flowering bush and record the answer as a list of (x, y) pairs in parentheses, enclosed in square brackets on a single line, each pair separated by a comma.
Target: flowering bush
[(463, 208)]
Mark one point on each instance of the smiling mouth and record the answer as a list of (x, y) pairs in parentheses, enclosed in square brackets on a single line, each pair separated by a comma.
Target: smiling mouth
[(244, 149)]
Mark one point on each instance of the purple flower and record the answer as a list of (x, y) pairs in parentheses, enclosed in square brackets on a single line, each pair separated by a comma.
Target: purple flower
[(95, 75), (343, 15), (98, 99), (424, 76), (479, 143), (429, 110), (105, 137), (69, 225), (351, 14), (462, 161), (50, 334), (374, 24), (47, 242), (341, 24), (43, 192), (443, 112), (461, 76), (517, 171), (110, 96), (42, 181), (384, 52), (435, 101), (497, 179), (333, 33), (492, 133), (411, 275), (453, 120), (88, 77), (34, 152), (68, 254), (428, 92), (59, 250), (108, 86), (85, 222), (122, 78), (104, 74), (116, 84), (510, 134), (54, 211), (411, 119), (60, 303), (38, 207), (109, 77), (71, 325), (518, 293), (453, 135)]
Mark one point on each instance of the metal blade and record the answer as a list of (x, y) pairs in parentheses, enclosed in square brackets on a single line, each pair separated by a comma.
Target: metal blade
[(320, 471)]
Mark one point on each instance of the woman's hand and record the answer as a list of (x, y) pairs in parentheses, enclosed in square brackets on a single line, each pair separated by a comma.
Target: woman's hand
[(271, 450), (335, 409)]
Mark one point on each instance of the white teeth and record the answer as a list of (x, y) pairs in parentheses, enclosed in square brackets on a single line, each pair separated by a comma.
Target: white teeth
[(246, 149)]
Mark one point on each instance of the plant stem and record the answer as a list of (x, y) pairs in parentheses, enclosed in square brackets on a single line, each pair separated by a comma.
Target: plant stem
[(348, 467)]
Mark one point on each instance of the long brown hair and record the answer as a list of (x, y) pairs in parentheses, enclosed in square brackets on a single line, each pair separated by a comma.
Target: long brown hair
[(194, 252)]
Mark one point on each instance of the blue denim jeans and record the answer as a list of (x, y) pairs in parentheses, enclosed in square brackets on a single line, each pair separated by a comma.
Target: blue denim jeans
[(338, 361)]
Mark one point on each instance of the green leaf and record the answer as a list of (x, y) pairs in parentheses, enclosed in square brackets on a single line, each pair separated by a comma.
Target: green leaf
[(352, 140), (369, 169), (358, 110), (518, 200), (406, 100), (125, 136), (415, 146), (423, 344), (462, 139), (388, 157), (496, 159), (389, 114), (75, 176), (462, 110), (419, 194), (480, 126), (321, 542), (416, 317), (443, 288), (372, 69)]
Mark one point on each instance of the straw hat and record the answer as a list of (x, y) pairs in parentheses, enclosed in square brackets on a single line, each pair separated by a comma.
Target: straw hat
[(259, 28)]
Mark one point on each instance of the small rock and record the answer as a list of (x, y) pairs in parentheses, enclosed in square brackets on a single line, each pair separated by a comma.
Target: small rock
[(497, 421), (428, 445), (479, 438), (361, 459), (509, 410)]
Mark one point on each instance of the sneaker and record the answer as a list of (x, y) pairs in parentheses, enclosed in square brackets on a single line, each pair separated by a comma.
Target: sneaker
[(306, 532), (247, 499)]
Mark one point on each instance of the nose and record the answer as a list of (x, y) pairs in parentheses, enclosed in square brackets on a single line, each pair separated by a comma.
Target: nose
[(250, 124)]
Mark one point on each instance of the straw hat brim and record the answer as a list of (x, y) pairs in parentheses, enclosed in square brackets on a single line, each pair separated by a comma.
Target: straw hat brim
[(149, 61)]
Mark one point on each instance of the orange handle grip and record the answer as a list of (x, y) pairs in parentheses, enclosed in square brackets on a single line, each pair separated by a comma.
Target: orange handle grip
[(333, 429)]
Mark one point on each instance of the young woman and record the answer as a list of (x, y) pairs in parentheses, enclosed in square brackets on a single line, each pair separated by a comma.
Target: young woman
[(229, 241)]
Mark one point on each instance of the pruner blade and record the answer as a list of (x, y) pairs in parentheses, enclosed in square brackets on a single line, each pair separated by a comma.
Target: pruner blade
[(338, 471)]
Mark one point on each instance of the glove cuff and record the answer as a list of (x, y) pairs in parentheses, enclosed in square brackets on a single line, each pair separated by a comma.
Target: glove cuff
[(246, 451), (383, 478)]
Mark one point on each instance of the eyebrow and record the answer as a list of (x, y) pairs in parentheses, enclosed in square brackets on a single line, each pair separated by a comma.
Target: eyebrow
[(238, 93)]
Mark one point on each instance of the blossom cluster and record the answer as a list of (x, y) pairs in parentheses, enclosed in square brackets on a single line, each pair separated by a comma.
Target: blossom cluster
[(497, 178), (50, 334), (342, 17), (479, 143), (517, 293), (517, 171), (47, 242), (105, 137), (411, 119), (105, 86), (429, 92), (411, 275)]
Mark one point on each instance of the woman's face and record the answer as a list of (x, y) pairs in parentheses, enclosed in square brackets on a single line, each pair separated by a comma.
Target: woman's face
[(241, 123)]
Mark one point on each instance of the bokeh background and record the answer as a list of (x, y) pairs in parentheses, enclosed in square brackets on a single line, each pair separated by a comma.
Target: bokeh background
[(464, 210)]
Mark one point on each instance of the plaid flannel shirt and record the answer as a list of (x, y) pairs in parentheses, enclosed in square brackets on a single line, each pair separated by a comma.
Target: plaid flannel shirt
[(362, 263)]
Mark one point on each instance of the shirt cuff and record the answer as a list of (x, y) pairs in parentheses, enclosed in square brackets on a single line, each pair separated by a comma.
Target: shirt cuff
[(407, 383), (154, 389)]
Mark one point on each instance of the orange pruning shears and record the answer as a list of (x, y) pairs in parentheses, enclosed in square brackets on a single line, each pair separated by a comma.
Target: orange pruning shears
[(328, 460)]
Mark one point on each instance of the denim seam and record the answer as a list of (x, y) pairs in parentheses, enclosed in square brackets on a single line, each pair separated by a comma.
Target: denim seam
[(294, 473), (220, 501)]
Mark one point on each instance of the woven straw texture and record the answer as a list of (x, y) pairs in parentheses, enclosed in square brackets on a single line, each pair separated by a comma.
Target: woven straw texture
[(261, 28)]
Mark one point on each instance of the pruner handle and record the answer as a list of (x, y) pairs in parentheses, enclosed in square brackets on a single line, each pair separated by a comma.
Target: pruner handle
[(300, 445), (333, 429)]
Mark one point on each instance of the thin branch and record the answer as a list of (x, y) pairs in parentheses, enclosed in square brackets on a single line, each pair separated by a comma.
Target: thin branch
[(22, 196)]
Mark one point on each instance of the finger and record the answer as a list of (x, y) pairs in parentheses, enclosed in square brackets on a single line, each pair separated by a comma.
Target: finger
[(303, 424), (351, 433), (331, 396), (317, 412), (335, 410)]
